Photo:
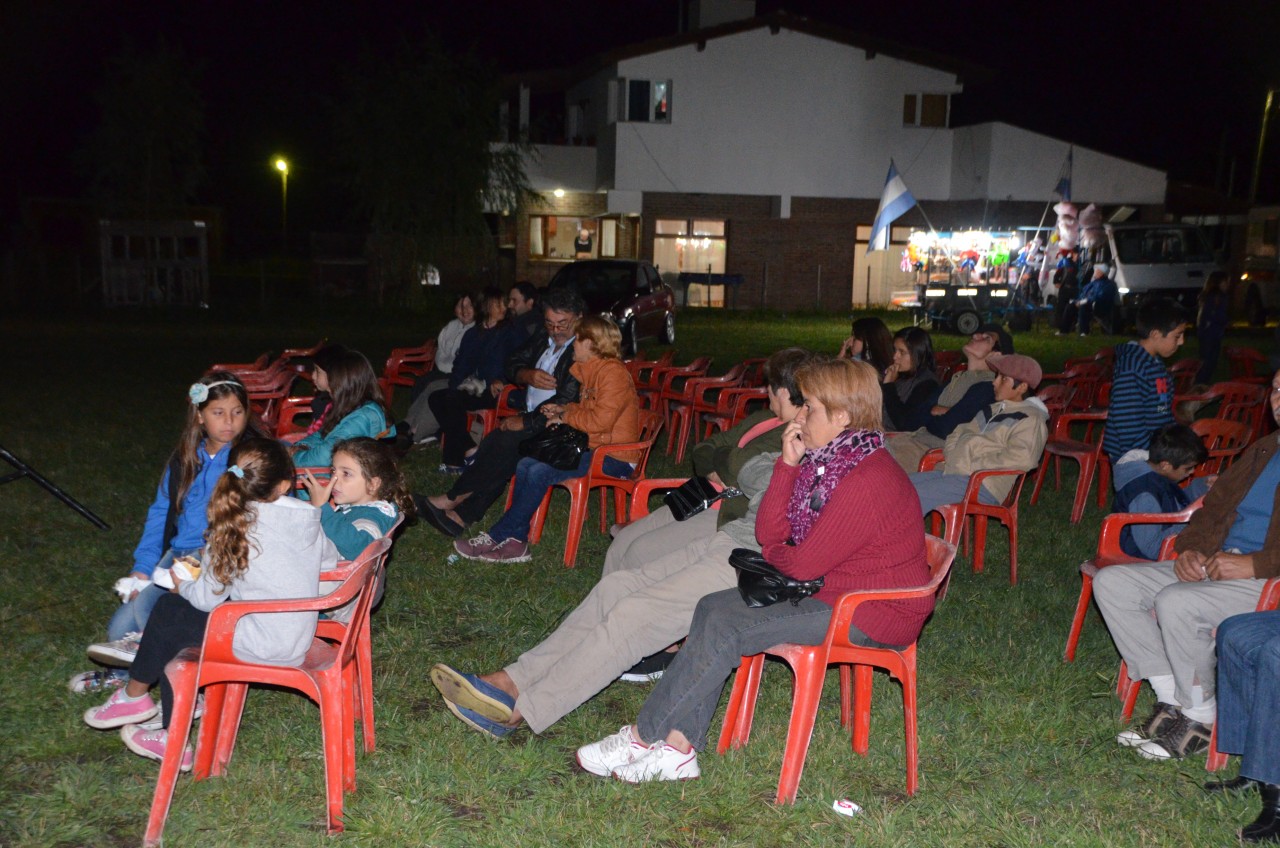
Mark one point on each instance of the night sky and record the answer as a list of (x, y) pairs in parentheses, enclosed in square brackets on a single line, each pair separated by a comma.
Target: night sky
[(1174, 85)]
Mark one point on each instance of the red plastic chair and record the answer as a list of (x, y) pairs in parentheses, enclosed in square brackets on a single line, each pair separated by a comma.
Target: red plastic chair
[(1248, 365), (326, 676), (489, 418), (1225, 440), (1110, 553), (698, 395), (641, 369), (1267, 601), (663, 378), (405, 365), (733, 405), (579, 488), (809, 663), (753, 377), (956, 516), (948, 363), (1184, 374), (1088, 453)]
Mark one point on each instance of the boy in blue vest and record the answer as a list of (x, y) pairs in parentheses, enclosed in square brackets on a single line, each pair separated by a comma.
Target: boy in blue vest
[(1141, 387), (1148, 481)]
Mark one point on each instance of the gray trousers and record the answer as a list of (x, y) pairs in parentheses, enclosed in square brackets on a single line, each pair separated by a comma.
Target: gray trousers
[(631, 613), (420, 417), (724, 630), (1163, 626), (936, 488)]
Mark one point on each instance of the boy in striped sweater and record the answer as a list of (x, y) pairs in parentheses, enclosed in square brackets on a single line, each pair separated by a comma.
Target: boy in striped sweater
[(1141, 387)]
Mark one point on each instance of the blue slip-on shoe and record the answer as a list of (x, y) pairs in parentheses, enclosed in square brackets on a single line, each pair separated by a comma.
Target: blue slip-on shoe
[(475, 721), (472, 693)]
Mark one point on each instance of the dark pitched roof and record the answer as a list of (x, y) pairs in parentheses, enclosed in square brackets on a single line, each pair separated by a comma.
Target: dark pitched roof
[(552, 79)]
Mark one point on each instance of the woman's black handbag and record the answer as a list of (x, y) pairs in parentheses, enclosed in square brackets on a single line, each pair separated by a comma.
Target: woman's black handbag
[(693, 496), (762, 585), (559, 446)]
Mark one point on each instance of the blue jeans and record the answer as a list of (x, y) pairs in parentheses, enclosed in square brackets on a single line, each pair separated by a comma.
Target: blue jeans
[(1249, 693), (533, 478), (131, 616)]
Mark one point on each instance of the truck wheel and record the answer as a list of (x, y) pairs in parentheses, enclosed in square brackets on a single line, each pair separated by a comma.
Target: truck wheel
[(1254, 311), (967, 322)]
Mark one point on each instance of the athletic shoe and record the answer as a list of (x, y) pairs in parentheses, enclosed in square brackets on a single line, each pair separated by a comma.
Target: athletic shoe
[(476, 545), (118, 710), (94, 682), (118, 653), (470, 691), (649, 669), (157, 722), (660, 762), (151, 744), (474, 720), (1162, 716), (444, 468), (1179, 739), (620, 749), (509, 550)]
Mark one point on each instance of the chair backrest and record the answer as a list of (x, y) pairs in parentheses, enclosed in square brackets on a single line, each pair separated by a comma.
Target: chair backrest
[(1232, 392), (753, 376), (1184, 374), (1225, 440), (220, 630), (939, 555), (1245, 363), (1056, 398)]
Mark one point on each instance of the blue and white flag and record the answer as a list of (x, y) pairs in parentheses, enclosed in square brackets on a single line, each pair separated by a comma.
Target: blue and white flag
[(1063, 188), (893, 202)]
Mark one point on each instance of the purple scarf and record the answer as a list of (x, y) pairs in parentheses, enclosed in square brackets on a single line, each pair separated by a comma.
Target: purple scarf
[(821, 471)]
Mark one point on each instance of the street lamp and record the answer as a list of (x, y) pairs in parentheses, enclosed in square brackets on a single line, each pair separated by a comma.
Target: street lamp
[(283, 167)]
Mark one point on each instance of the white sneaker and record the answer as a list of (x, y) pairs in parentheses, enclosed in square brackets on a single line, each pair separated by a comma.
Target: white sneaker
[(660, 762), (118, 653), (601, 758)]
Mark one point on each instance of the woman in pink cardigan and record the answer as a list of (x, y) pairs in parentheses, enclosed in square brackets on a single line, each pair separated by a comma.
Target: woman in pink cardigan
[(838, 507)]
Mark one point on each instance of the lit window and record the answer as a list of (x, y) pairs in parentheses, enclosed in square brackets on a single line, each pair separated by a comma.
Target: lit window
[(696, 246), (925, 110), (644, 101)]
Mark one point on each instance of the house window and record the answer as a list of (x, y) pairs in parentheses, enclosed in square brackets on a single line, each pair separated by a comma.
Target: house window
[(694, 245), (557, 237), (608, 237), (925, 110), (644, 101)]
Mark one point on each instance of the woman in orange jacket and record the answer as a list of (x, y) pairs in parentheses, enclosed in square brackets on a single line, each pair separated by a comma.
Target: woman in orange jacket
[(608, 411)]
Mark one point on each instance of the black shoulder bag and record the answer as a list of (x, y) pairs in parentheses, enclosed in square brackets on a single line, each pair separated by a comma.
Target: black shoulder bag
[(694, 496), (559, 446), (762, 585)]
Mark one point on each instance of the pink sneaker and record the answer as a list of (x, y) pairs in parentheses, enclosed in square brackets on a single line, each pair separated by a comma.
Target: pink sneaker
[(151, 744), (473, 548), (509, 550), (118, 711)]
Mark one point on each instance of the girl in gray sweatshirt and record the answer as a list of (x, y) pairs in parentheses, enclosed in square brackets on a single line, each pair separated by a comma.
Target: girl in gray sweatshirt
[(261, 545)]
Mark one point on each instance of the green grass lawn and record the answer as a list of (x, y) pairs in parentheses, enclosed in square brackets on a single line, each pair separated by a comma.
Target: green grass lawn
[(1015, 746)]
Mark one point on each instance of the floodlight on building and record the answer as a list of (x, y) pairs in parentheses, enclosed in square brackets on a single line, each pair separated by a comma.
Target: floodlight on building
[(558, 192)]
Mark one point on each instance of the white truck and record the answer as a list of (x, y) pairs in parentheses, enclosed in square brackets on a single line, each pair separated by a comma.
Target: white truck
[(1159, 260)]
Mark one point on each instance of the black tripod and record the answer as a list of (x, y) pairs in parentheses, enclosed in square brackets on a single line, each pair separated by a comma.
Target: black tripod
[(25, 470)]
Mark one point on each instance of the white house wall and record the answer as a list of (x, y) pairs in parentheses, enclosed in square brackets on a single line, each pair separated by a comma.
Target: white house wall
[(743, 120), (997, 161)]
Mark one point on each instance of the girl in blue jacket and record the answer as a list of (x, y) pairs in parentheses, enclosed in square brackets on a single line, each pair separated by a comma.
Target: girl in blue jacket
[(217, 417), (357, 410)]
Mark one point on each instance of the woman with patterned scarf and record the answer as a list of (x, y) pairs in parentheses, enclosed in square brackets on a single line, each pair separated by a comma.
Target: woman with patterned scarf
[(838, 507)]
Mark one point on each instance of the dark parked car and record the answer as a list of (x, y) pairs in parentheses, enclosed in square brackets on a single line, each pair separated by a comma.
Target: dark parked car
[(629, 291)]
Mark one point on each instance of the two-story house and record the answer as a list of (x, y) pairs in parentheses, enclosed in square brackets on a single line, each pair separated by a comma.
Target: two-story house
[(758, 148)]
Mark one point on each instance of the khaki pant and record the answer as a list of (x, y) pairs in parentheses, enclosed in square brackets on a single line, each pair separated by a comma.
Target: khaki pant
[(631, 613), (1162, 625)]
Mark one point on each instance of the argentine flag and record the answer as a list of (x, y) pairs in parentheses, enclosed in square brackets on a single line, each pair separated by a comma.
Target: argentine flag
[(895, 201)]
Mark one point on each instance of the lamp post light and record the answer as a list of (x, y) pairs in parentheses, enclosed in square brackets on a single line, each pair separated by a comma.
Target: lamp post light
[(283, 167)]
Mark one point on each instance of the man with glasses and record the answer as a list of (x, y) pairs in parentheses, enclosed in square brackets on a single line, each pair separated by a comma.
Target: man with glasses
[(541, 365)]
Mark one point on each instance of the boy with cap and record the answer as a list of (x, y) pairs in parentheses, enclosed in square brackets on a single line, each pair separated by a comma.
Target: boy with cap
[(963, 397), (1009, 433)]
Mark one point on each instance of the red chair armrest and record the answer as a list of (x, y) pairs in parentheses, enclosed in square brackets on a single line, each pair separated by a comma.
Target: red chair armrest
[(930, 460)]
